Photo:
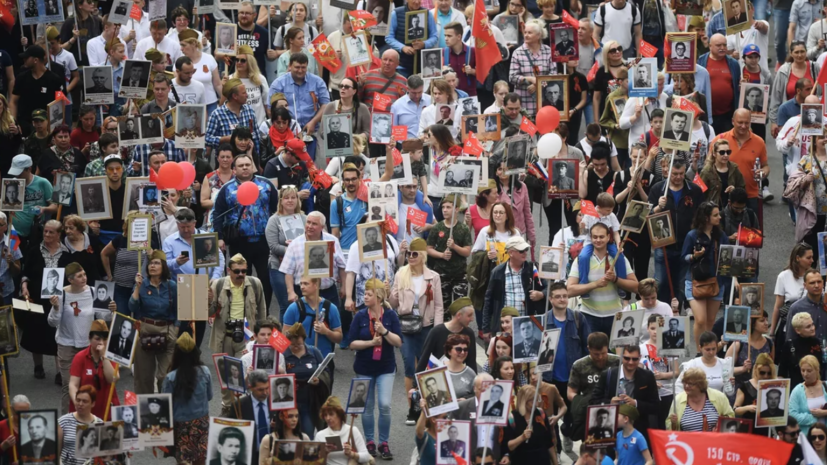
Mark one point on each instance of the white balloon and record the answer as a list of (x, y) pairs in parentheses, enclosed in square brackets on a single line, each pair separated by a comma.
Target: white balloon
[(549, 145)]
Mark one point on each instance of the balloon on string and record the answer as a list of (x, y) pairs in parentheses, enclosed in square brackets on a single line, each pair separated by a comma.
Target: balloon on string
[(247, 193), (188, 171), (170, 176), (548, 118), (549, 146)]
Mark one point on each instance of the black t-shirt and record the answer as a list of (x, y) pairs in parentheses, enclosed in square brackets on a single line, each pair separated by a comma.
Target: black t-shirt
[(93, 26), (116, 197), (604, 82), (577, 84), (5, 62), (35, 94), (598, 185)]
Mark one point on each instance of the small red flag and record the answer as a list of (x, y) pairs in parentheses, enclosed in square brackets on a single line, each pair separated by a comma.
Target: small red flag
[(417, 217), (587, 208), (361, 19), (129, 398), (486, 51), (611, 189), (397, 157), (647, 50), (458, 458), (472, 145), (571, 20), (390, 224), (592, 72), (6, 18), (700, 182), (527, 126), (320, 179), (135, 13), (750, 237), (61, 96), (279, 342), (325, 54), (399, 133)]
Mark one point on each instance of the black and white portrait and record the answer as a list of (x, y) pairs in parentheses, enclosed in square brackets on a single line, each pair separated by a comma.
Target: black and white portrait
[(453, 437), (510, 27), (92, 196), (135, 79), (553, 94), (551, 263), (517, 153), (812, 115), (97, 85), (548, 347), (292, 226), (527, 337), (337, 135), (736, 323), (416, 25), (38, 437), (680, 51), (677, 129), (627, 328), (317, 258), (601, 421), (371, 242), (619, 104), (205, 249), (155, 420), (402, 173), (752, 296), (122, 338), (8, 332), (635, 218), (565, 46), (52, 282), (234, 374), (128, 414), (492, 125), (437, 391), (445, 115), (772, 402), (357, 48), (494, 403), (469, 106), (381, 10), (225, 38), (470, 124), (129, 130), (431, 63), (13, 195), (29, 11), (753, 98), (63, 188), (674, 334), (459, 178), (56, 111), (660, 229), (265, 358), (151, 129), (87, 441), (734, 425), (357, 396), (643, 80), (119, 13), (111, 438), (564, 175), (282, 392), (380, 129), (231, 442)]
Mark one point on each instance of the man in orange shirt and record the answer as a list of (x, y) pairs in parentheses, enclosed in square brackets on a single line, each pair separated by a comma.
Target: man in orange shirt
[(746, 147)]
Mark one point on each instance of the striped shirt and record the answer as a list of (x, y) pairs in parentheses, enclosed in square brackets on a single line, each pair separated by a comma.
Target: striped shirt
[(375, 81), (600, 302), (694, 421), (70, 428)]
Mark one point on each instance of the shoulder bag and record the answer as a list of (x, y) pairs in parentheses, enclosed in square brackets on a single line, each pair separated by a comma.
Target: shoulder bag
[(707, 286)]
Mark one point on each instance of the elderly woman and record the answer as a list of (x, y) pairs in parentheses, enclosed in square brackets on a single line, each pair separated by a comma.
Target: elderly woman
[(38, 335), (19, 403), (415, 296), (190, 384), (302, 360), (81, 248), (746, 354), (524, 444), (461, 375), (720, 175), (353, 446), (205, 66), (528, 61), (708, 362), (696, 402), (745, 398), (808, 398), (278, 238), (287, 427), (374, 334), (74, 317), (68, 424), (87, 369), (154, 303)]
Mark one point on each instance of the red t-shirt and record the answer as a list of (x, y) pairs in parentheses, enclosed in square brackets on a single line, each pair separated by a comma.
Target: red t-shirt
[(79, 138), (721, 79), (92, 375), (4, 434), (794, 79), (752, 78)]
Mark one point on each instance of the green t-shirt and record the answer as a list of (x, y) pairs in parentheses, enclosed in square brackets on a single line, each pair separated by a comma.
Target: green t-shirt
[(438, 239), (38, 194)]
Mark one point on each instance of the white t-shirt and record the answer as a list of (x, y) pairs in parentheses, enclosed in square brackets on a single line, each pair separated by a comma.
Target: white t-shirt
[(334, 166), (69, 64), (203, 74), (191, 93), (254, 94), (714, 375), (616, 24), (482, 239), (141, 28), (699, 137), (610, 221), (587, 149), (168, 46), (790, 288)]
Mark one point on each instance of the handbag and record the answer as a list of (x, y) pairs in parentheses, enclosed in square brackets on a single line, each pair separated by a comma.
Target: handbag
[(706, 287), (410, 324), (230, 232)]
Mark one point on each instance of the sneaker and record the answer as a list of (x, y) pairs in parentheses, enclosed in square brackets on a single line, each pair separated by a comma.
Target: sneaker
[(39, 373), (412, 416), (58, 379), (385, 452), (371, 446), (767, 195), (568, 445)]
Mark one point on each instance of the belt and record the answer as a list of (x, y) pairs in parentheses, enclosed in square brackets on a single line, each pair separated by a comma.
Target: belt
[(157, 322)]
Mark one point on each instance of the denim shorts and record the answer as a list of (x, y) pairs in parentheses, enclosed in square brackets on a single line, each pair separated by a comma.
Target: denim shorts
[(688, 291)]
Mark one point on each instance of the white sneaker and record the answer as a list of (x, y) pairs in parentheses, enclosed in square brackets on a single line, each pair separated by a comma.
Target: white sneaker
[(568, 446), (767, 195)]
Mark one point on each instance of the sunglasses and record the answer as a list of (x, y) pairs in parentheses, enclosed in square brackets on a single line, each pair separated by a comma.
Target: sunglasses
[(616, 50), (725, 152), (764, 373), (241, 60), (818, 437), (241, 271), (414, 254), (792, 433), (345, 87), (460, 349), (631, 359)]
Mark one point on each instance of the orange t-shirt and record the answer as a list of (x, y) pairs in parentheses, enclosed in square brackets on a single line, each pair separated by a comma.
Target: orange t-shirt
[(744, 156)]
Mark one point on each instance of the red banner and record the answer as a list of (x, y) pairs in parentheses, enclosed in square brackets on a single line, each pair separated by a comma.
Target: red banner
[(527, 126), (472, 145), (361, 19), (399, 133), (485, 50), (325, 54), (587, 208), (680, 448), (279, 341), (700, 182), (647, 50), (571, 20), (417, 217)]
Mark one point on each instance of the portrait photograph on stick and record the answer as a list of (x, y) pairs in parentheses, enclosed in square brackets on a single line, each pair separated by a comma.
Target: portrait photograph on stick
[(205, 250), (218, 363), (555, 93), (517, 151), (673, 336), (381, 10), (97, 85), (601, 422), (234, 375), (282, 392), (431, 63), (190, 125), (357, 396), (551, 263), (643, 78), (155, 420), (773, 405), (635, 218), (812, 119), (122, 338), (548, 347), (318, 259), (38, 437), (437, 391), (92, 196), (626, 328), (225, 38), (63, 188), (9, 340), (660, 229), (265, 358), (680, 52), (527, 337), (564, 178), (13, 195), (738, 16), (734, 425), (416, 25), (357, 48), (57, 114), (564, 44), (52, 282), (755, 98), (752, 296), (458, 178), (736, 323), (380, 128), (453, 439), (231, 441), (128, 415), (337, 137), (371, 243), (495, 402), (135, 78), (402, 172)]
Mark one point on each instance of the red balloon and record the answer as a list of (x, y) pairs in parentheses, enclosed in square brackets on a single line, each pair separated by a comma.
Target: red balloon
[(247, 193), (170, 176), (188, 171), (548, 118)]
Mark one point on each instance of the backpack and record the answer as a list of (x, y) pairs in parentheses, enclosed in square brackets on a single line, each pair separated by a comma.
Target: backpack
[(303, 310), (603, 17)]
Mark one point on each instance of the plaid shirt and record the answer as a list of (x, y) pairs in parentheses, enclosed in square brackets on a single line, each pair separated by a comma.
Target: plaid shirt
[(141, 153), (293, 261), (514, 292), (521, 67), (95, 168), (223, 121)]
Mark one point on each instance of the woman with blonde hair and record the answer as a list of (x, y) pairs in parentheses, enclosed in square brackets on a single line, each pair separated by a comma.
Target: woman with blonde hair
[(717, 168), (500, 91), (808, 398), (524, 444), (698, 404), (745, 398), (246, 69), (606, 79), (294, 42), (289, 215), (10, 136), (205, 66)]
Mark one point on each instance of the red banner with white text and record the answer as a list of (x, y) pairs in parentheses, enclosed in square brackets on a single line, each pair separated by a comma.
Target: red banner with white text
[(680, 448)]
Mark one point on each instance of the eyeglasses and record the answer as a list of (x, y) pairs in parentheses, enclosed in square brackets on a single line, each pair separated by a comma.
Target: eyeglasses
[(241, 60), (345, 87), (616, 50), (631, 359), (460, 349), (241, 271), (413, 254), (725, 152), (791, 433)]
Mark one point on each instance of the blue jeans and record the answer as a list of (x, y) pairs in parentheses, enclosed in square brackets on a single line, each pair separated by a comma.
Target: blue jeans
[(122, 295), (760, 13), (383, 385), (412, 346), (677, 272), (280, 290), (781, 22), (602, 324), (211, 108), (588, 110), (306, 419)]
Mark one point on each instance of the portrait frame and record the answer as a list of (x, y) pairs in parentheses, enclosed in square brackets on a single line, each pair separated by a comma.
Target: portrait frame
[(742, 425), (246, 428), (7, 205), (764, 386), (119, 12), (377, 169), (373, 254), (229, 363), (571, 189), (551, 256), (438, 113), (623, 335), (374, 118), (758, 288), (677, 346), (383, 23), (545, 361), (638, 88), (660, 240), (518, 352), (355, 59), (447, 398), (812, 129), (9, 338), (618, 104), (513, 21), (136, 92), (41, 15), (597, 436), (282, 404), (452, 185), (61, 275), (558, 48), (286, 221), (99, 429), (261, 348), (424, 54), (52, 110), (730, 332), (132, 194), (444, 455), (123, 130), (735, 25), (308, 271), (131, 341), (465, 125), (147, 136), (101, 182), (110, 294), (563, 81), (26, 454), (422, 15), (218, 363), (507, 387), (731, 260), (346, 129), (627, 224), (130, 440), (190, 125), (220, 27), (383, 201), (56, 190), (760, 116), (485, 134), (155, 435), (517, 152), (354, 383), (674, 65), (482, 162), (199, 261), (92, 95)]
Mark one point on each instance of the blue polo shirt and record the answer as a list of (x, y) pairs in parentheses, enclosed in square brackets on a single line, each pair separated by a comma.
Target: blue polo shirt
[(353, 211), (630, 449), (304, 98)]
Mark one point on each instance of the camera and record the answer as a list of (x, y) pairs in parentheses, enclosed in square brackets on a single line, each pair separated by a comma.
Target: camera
[(235, 329)]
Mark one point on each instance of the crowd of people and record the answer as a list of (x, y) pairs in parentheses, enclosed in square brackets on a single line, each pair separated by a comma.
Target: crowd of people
[(457, 268)]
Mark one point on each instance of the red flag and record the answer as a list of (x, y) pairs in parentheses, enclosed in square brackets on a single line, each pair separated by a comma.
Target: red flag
[(325, 54), (153, 176), (279, 341), (486, 51), (136, 12), (592, 72), (676, 447), (389, 225), (527, 126), (700, 182), (647, 50), (459, 459), (362, 192), (571, 20), (129, 398), (6, 18), (361, 19), (417, 217), (472, 145), (587, 208), (750, 237), (611, 189), (320, 179), (397, 157)]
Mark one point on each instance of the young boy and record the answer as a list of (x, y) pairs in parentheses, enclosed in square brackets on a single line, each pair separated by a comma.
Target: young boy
[(652, 136), (796, 348), (448, 252), (631, 445), (647, 289), (650, 360), (108, 144), (264, 329)]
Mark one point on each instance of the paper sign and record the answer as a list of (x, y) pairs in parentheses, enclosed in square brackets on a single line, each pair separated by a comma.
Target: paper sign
[(19, 304), (472, 145), (399, 132), (381, 102), (647, 50), (587, 208), (139, 227), (700, 182), (279, 341), (417, 217), (527, 126)]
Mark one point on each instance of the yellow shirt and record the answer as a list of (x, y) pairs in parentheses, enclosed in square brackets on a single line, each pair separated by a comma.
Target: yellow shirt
[(237, 305)]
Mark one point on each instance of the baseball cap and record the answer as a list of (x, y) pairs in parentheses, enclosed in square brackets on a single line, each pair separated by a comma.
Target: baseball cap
[(20, 163), (35, 51), (750, 49), (516, 243), (112, 157), (40, 114), (296, 146)]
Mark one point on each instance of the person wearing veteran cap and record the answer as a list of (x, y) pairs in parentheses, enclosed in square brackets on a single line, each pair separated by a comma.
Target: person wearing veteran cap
[(302, 360), (632, 448), (70, 66), (157, 67), (37, 197), (37, 83), (374, 334), (528, 300), (190, 384), (246, 69), (448, 249), (154, 303), (73, 315), (235, 112), (462, 313), (87, 369), (205, 67)]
